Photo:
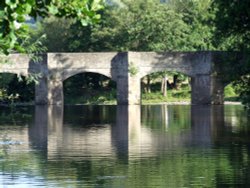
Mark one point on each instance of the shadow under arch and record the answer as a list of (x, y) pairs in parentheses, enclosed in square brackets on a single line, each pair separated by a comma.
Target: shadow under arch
[(89, 86)]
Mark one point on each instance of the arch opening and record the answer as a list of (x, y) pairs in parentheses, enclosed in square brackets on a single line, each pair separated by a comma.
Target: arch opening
[(166, 86), (16, 89), (237, 90), (89, 88), (231, 93)]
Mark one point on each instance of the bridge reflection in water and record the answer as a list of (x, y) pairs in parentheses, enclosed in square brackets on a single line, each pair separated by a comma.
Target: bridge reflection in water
[(130, 134)]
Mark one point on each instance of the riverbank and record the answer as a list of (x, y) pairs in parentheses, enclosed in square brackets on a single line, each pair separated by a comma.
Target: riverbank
[(189, 103), (113, 102)]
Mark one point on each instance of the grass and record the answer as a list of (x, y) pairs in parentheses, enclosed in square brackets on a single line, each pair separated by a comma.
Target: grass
[(172, 96)]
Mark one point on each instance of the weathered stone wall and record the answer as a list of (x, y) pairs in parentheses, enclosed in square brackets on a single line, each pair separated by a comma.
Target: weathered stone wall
[(15, 63), (188, 63)]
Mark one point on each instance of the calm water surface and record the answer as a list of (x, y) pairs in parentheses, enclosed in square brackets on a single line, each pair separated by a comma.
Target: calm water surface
[(120, 146)]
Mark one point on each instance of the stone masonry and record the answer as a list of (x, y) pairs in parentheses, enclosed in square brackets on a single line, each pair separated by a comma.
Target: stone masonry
[(125, 68)]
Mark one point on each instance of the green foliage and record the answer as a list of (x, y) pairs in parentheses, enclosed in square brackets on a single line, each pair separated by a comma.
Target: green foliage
[(56, 32), (137, 25), (199, 16), (230, 91), (242, 87), (233, 33), (6, 79), (232, 23), (132, 69), (3, 94), (15, 88), (13, 15), (141, 26)]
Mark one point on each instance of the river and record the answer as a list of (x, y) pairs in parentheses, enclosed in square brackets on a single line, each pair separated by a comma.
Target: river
[(125, 146)]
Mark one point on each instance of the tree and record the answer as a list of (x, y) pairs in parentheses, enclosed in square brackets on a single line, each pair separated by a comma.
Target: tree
[(141, 26), (56, 32), (14, 13), (233, 28), (199, 16)]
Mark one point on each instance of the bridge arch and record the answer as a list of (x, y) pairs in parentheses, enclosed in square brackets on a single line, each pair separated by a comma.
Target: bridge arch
[(67, 74), (88, 86)]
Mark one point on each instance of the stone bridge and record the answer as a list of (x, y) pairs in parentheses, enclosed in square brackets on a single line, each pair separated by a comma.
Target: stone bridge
[(125, 68)]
